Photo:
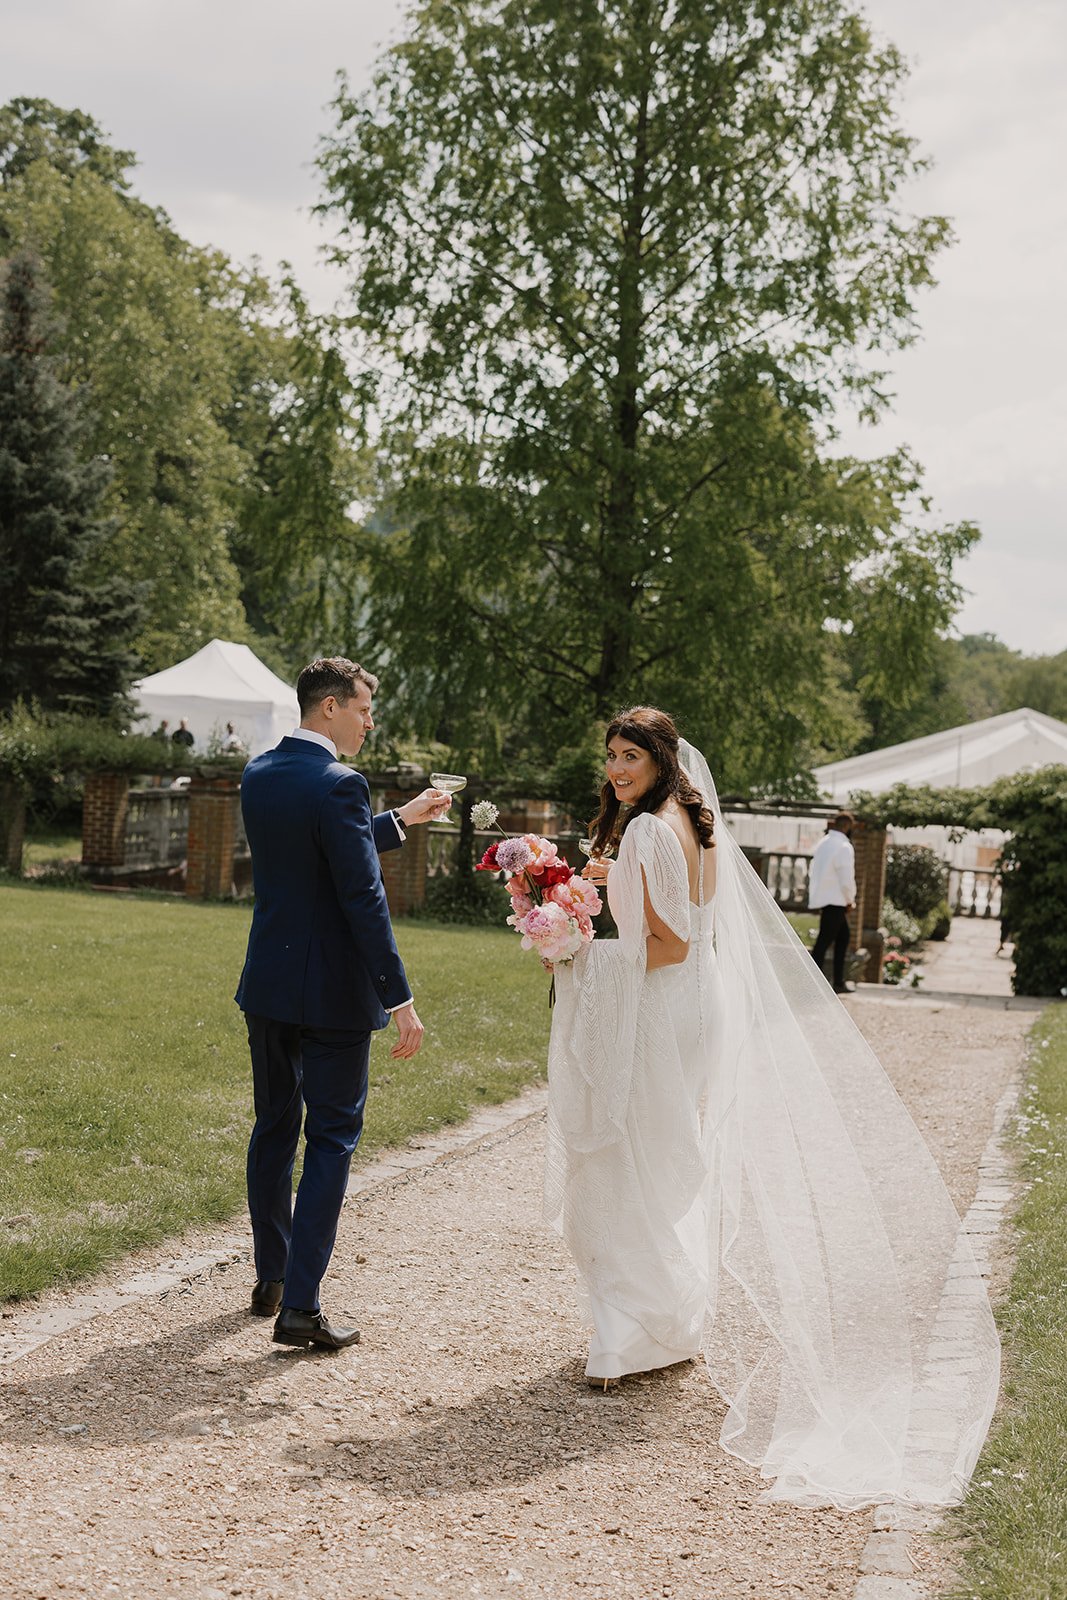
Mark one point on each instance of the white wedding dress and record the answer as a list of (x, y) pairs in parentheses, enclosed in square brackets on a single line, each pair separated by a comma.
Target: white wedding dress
[(634, 1210), (735, 1175)]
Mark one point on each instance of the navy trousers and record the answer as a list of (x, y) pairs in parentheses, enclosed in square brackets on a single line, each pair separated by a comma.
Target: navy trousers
[(320, 1074)]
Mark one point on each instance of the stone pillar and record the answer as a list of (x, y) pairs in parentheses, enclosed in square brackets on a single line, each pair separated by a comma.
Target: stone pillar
[(214, 805), (404, 870), (869, 842), (104, 820), (12, 827)]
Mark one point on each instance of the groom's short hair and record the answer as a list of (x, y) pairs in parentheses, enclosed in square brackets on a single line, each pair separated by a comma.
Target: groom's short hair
[(334, 675)]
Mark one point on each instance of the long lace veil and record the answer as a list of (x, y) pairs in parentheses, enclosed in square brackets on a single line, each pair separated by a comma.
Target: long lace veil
[(848, 1327)]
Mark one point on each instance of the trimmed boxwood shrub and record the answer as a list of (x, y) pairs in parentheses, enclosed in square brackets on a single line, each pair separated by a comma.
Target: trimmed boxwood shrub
[(916, 879)]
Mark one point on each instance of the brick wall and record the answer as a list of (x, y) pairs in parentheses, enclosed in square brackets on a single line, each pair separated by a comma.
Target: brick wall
[(404, 870), (869, 842), (104, 820), (214, 807)]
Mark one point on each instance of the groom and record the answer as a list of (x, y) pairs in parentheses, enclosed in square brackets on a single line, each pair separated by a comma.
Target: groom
[(321, 974)]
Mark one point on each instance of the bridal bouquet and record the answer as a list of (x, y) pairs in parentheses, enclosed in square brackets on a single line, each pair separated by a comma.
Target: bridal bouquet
[(552, 906)]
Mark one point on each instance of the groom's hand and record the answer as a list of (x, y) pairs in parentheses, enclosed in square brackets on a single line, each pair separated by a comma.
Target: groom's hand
[(410, 1030), (426, 807)]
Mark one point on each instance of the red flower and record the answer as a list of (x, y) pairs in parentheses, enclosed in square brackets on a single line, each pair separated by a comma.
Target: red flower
[(548, 877), (488, 861)]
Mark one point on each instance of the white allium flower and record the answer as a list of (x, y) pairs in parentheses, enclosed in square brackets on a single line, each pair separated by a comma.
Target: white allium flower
[(484, 814)]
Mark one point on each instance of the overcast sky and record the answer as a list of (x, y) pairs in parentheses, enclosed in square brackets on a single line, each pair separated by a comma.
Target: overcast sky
[(224, 104)]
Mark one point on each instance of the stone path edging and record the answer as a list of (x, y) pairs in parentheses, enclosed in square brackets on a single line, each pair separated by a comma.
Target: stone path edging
[(28, 1330), (888, 1571)]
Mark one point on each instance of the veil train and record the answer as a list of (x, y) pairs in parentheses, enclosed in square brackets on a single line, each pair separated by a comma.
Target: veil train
[(848, 1327)]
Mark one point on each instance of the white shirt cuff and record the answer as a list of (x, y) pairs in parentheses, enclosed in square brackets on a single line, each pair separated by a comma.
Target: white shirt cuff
[(400, 1007), (399, 826)]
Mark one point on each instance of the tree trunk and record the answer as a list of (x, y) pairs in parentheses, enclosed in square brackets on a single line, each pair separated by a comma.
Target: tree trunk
[(619, 529), (12, 827)]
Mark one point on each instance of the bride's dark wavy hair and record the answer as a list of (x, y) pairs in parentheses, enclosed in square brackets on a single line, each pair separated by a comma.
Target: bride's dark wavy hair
[(655, 732)]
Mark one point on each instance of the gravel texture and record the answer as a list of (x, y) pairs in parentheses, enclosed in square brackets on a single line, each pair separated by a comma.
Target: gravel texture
[(170, 1449)]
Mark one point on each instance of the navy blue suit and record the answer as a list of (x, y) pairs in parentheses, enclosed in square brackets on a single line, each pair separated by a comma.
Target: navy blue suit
[(321, 973)]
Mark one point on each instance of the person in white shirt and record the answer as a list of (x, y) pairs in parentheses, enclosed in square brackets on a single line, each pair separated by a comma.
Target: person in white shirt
[(832, 892)]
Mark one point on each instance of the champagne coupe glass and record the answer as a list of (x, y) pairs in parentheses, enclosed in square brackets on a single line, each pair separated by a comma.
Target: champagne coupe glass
[(588, 848), (450, 782)]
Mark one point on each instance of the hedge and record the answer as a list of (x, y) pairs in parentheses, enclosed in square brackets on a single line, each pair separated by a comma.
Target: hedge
[(1032, 808)]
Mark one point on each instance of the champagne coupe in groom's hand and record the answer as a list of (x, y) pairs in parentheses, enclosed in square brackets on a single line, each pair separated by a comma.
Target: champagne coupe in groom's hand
[(450, 782)]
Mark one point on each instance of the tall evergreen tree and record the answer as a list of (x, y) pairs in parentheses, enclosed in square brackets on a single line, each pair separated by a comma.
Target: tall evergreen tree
[(64, 636)]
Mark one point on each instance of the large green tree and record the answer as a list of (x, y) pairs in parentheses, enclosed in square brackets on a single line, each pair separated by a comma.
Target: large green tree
[(218, 399), (64, 634), (615, 263)]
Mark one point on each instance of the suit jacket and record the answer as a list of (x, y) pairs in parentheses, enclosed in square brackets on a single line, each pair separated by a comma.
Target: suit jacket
[(321, 949)]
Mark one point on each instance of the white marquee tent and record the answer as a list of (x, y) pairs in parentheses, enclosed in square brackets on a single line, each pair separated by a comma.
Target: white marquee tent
[(973, 755), (221, 683), (978, 753)]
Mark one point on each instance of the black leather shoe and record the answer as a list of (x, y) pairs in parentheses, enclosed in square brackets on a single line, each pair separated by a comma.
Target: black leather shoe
[(844, 988), (307, 1328), (266, 1297)]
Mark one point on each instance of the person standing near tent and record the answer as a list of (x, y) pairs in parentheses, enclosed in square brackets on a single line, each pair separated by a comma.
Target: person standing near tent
[(832, 892), (183, 735)]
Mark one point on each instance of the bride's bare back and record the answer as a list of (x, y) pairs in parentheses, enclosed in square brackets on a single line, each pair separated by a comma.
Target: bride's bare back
[(680, 823)]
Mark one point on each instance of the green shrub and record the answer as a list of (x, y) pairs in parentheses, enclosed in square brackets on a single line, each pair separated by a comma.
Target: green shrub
[(1032, 808), (37, 750), (916, 879), (897, 924), (473, 900), (937, 924)]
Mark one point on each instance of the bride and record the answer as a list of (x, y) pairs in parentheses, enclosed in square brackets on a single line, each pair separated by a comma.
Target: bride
[(736, 1177)]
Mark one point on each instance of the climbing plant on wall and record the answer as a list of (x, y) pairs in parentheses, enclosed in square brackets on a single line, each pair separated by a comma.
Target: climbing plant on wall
[(1031, 808)]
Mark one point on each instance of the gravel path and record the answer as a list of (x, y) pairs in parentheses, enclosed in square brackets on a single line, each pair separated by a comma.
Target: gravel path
[(170, 1449)]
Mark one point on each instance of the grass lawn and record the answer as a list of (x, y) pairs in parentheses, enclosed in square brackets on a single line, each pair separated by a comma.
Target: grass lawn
[(805, 923), (49, 847), (1014, 1519), (126, 1100)]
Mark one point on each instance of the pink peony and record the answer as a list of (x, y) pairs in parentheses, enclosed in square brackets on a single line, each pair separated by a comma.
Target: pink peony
[(544, 852), (550, 931), (521, 904), (577, 895)]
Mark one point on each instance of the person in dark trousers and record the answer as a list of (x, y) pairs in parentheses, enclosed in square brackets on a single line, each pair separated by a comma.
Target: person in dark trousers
[(321, 974), (832, 892)]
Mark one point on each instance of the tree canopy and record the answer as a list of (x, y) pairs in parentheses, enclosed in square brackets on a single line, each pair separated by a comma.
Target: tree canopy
[(612, 268), (64, 632), (218, 400)]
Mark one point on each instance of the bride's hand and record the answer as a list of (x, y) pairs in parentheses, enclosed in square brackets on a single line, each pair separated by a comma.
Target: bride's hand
[(597, 870)]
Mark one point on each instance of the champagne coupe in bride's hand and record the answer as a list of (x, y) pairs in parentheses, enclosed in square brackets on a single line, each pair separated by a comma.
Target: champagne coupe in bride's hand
[(601, 859), (588, 848)]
